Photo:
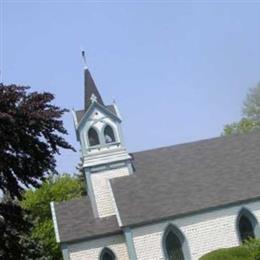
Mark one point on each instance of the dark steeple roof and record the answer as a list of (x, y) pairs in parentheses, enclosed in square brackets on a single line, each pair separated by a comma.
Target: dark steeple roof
[(90, 88)]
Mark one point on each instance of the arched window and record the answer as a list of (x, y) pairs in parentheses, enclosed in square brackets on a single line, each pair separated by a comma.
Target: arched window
[(93, 137), (174, 244), (246, 225), (109, 135), (107, 254)]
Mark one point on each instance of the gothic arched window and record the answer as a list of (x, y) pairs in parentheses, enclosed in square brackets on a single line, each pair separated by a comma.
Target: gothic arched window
[(109, 135), (175, 247), (107, 254), (93, 137), (246, 225)]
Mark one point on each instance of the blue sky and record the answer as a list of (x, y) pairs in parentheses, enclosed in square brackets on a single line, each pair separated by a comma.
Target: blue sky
[(179, 71)]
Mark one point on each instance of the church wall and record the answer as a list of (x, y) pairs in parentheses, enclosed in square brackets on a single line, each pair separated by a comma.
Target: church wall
[(91, 250), (102, 192), (204, 232)]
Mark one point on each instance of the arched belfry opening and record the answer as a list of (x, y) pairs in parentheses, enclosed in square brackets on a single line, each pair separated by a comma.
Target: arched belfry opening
[(107, 254), (174, 244), (93, 138), (246, 224), (109, 134)]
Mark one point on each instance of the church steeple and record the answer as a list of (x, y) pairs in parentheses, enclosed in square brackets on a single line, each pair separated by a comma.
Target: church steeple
[(90, 88), (98, 128)]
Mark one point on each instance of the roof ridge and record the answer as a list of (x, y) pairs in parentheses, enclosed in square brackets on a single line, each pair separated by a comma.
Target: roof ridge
[(195, 142)]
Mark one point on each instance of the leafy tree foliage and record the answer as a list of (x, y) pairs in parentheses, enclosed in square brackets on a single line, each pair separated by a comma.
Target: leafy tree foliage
[(15, 228), (81, 176), (249, 250), (37, 202), (250, 112), (251, 107), (233, 253), (31, 132), (245, 125)]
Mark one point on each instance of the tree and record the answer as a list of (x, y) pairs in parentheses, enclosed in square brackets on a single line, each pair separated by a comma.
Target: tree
[(250, 112), (245, 125), (31, 132), (16, 230), (81, 176), (37, 202)]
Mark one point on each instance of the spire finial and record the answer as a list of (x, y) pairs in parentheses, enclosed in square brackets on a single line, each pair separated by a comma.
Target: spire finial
[(84, 58)]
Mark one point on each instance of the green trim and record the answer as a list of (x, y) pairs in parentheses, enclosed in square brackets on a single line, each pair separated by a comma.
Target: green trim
[(130, 244), (184, 242), (65, 252), (107, 250)]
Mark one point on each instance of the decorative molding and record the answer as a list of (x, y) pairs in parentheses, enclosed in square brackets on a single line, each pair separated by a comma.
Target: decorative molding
[(75, 123), (105, 157), (117, 110), (91, 108)]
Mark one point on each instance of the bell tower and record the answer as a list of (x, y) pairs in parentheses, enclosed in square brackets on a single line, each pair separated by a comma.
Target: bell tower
[(98, 129)]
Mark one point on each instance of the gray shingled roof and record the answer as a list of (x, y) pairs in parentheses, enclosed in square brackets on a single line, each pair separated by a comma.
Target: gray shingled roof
[(76, 221), (170, 182), (186, 178)]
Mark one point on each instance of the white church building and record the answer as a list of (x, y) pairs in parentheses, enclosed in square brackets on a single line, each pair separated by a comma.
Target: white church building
[(176, 202)]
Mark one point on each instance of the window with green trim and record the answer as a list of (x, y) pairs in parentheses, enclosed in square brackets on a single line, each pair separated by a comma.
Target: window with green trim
[(173, 247), (107, 254), (246, 229)]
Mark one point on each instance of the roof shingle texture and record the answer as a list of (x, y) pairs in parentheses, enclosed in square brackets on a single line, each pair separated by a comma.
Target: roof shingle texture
[(76, 221), (186, 178)]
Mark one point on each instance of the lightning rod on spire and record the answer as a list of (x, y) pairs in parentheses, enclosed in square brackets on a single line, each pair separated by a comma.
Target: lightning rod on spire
[(84, 59)]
